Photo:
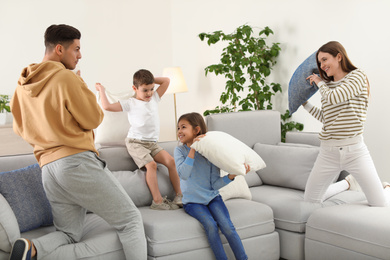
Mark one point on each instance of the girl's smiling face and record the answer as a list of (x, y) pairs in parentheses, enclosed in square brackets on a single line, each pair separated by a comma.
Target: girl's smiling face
[(186, 132)]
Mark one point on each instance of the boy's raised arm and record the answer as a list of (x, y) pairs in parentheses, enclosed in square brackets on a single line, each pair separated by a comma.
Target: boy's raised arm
[(164, 83), (114, 107)]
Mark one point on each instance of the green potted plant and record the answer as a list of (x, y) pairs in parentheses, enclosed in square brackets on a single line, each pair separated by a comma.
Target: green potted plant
[(246, 62), (5, 116)]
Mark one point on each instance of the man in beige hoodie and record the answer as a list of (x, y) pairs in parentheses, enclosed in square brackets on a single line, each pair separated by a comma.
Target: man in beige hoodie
[(56, 113)]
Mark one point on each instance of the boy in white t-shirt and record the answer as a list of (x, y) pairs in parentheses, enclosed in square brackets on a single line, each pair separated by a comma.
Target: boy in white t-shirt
[(141, 141)]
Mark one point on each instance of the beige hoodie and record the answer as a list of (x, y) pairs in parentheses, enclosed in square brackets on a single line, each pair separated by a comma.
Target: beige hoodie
[(54, 111)]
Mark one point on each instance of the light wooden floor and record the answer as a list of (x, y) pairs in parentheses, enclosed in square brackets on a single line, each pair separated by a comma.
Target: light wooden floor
[(11, 143)]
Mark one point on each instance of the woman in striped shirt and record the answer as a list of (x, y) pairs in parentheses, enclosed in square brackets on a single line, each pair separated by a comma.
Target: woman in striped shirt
[(344, 93)]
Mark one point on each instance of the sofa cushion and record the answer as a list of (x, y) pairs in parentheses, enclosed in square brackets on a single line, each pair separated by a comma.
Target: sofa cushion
[(352, 229), (115, 125), (117, 158), (9, 229), (287, 165), (299, 89), (228, 153), (235, 189), (99, 241), (290, 211), (248, 126), (24, 192), (135, 185), (253, 179), (185, 233)]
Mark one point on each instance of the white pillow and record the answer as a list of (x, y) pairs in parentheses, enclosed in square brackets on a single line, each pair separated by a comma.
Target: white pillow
[(228, 153), (115, 125), (236, 189)]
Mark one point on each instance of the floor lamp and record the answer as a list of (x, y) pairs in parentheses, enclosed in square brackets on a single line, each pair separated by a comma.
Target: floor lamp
[(177, 85)]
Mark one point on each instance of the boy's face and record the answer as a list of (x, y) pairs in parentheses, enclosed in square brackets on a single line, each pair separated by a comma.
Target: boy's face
[(144, 92)]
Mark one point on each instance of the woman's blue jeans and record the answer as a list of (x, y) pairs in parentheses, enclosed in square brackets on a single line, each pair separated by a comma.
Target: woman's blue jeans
[(212, 216)]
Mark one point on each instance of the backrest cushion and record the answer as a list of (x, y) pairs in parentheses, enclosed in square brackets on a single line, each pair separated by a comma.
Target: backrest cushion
[(135, 185), (287, 165), (24, 192), (250, 127), (115, 125)]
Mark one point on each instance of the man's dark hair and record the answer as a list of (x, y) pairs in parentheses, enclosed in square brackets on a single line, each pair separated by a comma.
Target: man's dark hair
[(60, 34), (143, 77)]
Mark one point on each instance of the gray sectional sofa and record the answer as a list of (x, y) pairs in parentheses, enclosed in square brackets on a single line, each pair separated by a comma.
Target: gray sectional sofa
[(275, 223)]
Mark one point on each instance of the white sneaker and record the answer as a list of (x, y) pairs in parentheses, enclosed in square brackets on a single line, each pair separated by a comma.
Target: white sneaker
[(166, 204), (178, 200), (160, 206), (170, 203), (353, 184)]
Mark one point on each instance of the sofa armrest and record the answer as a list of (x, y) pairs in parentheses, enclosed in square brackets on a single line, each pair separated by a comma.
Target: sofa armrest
[(310, 138), (9, 228)]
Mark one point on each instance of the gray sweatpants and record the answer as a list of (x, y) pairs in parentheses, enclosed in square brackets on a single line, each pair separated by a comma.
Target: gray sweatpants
[(82, 182)]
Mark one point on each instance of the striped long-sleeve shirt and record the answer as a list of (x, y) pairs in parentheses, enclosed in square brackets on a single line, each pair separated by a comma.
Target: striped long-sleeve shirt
[(344, 106)]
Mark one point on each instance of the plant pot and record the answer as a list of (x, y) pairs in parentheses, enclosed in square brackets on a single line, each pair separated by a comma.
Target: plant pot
[(5, 118)]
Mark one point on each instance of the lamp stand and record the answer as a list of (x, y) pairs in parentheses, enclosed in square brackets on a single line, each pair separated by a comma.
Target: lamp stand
[(174, 101)]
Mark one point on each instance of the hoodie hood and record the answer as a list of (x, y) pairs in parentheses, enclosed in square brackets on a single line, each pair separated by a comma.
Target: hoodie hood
[(34, 77)]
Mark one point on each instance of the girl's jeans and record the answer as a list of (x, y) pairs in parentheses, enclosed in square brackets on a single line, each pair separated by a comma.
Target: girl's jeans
[(356, 160), (212, 216)]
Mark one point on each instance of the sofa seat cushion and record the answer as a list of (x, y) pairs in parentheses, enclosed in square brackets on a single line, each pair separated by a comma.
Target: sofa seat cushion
[(99, 240), (356, 228), (174, 231), (290, 211)]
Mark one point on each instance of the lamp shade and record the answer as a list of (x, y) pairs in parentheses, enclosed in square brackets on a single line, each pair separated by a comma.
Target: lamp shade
[(177, 83)]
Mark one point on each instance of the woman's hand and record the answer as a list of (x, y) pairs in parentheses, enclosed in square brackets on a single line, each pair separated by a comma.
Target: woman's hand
[(314, 78)]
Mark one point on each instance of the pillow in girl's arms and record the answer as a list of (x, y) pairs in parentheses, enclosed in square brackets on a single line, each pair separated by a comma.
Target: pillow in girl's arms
[(228, 153)]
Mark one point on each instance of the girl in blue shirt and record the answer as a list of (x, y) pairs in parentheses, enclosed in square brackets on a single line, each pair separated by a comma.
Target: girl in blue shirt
[(200, 181)]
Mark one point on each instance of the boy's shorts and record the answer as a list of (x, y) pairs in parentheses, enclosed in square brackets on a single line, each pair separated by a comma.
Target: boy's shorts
[(142, 152)]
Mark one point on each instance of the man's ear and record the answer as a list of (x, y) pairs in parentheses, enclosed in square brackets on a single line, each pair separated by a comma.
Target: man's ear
[(59, 49)]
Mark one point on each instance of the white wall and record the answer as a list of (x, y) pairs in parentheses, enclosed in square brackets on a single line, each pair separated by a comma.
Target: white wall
[(117, 38), (121, 36)]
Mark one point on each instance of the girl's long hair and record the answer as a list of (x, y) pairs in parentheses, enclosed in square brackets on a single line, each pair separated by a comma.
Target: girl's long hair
[(195, 119), (334, 48)]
